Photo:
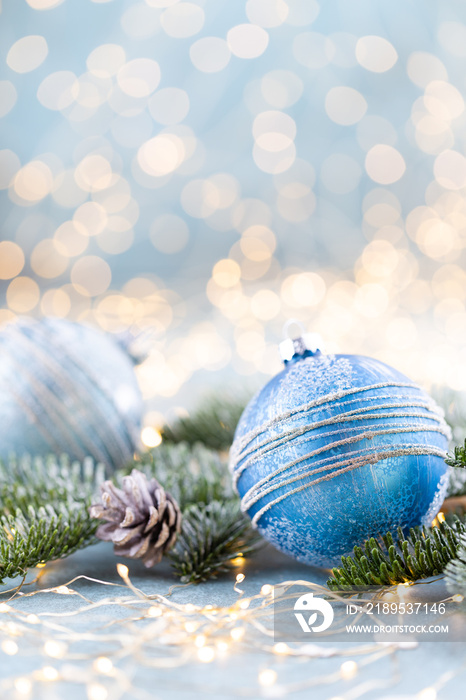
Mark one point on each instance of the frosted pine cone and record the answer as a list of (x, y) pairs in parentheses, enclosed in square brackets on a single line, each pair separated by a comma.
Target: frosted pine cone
[(143, 520)]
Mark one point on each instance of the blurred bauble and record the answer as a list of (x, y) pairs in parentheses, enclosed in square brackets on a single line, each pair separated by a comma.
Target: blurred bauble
[(336, 449), (67, 388)]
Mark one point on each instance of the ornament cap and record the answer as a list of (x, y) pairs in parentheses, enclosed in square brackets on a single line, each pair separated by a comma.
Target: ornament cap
[(304, 345)]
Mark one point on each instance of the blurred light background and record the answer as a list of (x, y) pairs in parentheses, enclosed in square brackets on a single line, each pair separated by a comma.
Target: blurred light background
[(209, 169)]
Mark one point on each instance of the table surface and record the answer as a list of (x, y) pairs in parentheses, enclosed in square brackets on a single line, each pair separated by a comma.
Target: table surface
[(386, 673)]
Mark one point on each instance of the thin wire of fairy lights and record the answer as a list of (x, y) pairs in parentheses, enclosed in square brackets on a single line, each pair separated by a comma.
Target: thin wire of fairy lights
[(158, 633)]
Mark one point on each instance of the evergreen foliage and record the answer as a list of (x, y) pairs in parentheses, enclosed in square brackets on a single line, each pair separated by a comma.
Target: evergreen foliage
[(454, 406), (424, 552), (458, 458), (213, 535), (213, 424), (455, 570), (44, 508), (43, 511), (193, 475)]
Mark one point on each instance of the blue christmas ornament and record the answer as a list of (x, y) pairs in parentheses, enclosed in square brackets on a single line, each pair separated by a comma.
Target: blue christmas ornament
[(336, 449), (67, 388)]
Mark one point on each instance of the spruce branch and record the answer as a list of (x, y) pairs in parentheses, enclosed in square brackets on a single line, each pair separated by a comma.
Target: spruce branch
[(212, 536), (458, 458), (455, 570), (424, 552), (454, 405), (192, 474), (213, 424), (43, 511)]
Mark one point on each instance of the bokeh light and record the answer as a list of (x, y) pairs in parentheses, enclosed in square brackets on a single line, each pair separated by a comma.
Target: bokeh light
[(201, 172)]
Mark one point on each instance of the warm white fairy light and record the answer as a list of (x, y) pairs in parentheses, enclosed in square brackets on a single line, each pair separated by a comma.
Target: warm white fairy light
[(238, 561), (151, 437), (348, 669), (155, 611), (32, 619), (103, 665), (427, 694), (123, 571), (205, 633), (55, 649), (402, 590), (49, 673), (267, 677), (96, 691), (23, 686), (237, 633), (63, 590), (206, 654), (9, 647), (191, 627), (200, 641)]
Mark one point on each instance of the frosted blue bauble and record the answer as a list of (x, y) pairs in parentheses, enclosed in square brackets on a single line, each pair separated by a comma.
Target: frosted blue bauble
[(67, 388), (336, 449)]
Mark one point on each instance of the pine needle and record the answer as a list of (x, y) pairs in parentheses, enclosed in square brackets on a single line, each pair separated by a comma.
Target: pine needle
[(213, 424), (455, 571), (424, 552), (44, 511), (458, 458), (212, 537), (192, 474)]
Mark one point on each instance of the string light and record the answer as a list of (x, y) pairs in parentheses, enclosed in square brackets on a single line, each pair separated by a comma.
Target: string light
[(55, 649), (206, 654), (267, 677), (23, 686), (237, 633), (155, 611), (203, 633), (123, 571), (238, 561), (49, 673), (32, 619), (96, 691), (348, 669), (63, 590), (281, 648), (9, 647), (103, 665)]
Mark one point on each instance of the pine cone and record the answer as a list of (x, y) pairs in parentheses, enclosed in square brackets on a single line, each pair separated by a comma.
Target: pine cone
[(143, 520)]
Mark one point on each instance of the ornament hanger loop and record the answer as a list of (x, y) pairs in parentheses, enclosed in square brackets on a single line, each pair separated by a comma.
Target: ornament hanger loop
[(289, 324), (303, 345)]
